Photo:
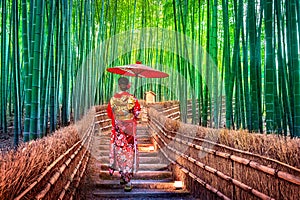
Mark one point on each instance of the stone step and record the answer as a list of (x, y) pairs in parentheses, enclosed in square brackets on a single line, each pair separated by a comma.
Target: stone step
[(142, 147), (143, 160), (146, 140), (143, 133), (149, 154), (138, 136), (145, 167), (142, 126), (146, 148), (142, 138), (142, 175), (103, 140), (149, 184), (141, 193), (103, 147), (141, 154), (103, 153)]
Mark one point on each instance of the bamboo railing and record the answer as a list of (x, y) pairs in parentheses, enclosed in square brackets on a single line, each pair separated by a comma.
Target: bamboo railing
[(169, 109), (102, 121), (226, 172), (62, 177)]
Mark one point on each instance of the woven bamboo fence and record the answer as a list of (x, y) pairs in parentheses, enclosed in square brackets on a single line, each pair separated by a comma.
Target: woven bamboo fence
[(223, 164), (48, 168)]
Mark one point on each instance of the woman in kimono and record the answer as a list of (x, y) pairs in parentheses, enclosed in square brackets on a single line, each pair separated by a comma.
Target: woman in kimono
[(123, 109)]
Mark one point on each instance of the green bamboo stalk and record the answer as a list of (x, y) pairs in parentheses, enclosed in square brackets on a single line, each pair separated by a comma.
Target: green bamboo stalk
[(282, 74), (242, 109), (4, 67), (16, 74), (183, 12), (179, 64), (214, 64), (227, 67), (259, 69), (269, 67), (236, 64), (47, 69), (27, 70), (294, 68), (66, 63), (35, 96), (192, 70), (246, 78), (251, 16), (200, 58)]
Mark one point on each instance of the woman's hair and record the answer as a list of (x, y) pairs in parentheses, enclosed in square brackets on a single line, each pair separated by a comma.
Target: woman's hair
[(123, 83)]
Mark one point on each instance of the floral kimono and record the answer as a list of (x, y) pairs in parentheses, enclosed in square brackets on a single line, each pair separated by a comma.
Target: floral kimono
[(123, 109)]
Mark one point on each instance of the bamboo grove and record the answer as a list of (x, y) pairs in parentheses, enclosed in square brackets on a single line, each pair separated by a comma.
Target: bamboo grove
[(244, 53)]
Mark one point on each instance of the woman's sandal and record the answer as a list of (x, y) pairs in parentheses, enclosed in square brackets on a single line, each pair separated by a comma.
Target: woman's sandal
[(128, 187)]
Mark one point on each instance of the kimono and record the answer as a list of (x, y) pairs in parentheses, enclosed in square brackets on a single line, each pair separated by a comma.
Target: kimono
[(123, 109)]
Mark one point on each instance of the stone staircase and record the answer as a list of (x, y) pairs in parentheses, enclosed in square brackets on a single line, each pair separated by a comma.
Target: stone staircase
[(152, 181)]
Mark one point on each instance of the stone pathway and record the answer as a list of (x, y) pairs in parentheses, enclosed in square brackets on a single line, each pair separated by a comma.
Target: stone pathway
[(152, 181)]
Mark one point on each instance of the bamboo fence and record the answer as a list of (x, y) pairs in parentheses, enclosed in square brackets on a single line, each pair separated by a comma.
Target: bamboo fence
[(48, 168), (228, 164)]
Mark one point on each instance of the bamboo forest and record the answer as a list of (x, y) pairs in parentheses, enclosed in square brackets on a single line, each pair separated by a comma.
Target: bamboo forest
[(236, 60)]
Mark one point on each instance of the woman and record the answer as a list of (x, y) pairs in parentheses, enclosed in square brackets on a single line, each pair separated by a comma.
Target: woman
[(123, 109)]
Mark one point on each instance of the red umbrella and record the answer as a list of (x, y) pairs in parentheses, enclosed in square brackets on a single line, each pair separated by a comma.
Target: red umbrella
[(137, 70)]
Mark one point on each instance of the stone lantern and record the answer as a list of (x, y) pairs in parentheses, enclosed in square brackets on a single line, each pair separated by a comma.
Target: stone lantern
[(150, 97)]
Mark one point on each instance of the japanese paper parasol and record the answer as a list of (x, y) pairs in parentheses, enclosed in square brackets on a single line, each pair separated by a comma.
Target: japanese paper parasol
[(137, 70)]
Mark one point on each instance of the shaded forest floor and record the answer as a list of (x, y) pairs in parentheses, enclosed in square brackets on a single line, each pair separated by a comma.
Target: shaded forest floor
[(7, 140)]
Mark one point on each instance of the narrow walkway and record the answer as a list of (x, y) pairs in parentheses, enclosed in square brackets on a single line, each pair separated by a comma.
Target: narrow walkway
[(152, 181)]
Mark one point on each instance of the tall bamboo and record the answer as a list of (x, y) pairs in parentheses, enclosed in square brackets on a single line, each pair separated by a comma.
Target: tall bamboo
[(214, 64), (270, 88), (251, 16), (199, 63), (35, 96), (67, 61), (207, 68), (27, 70), (283, 78), (227, 66), (4, 66), (16, 74), (192, 70), (236, 65), (293, 64), (46, 81)]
